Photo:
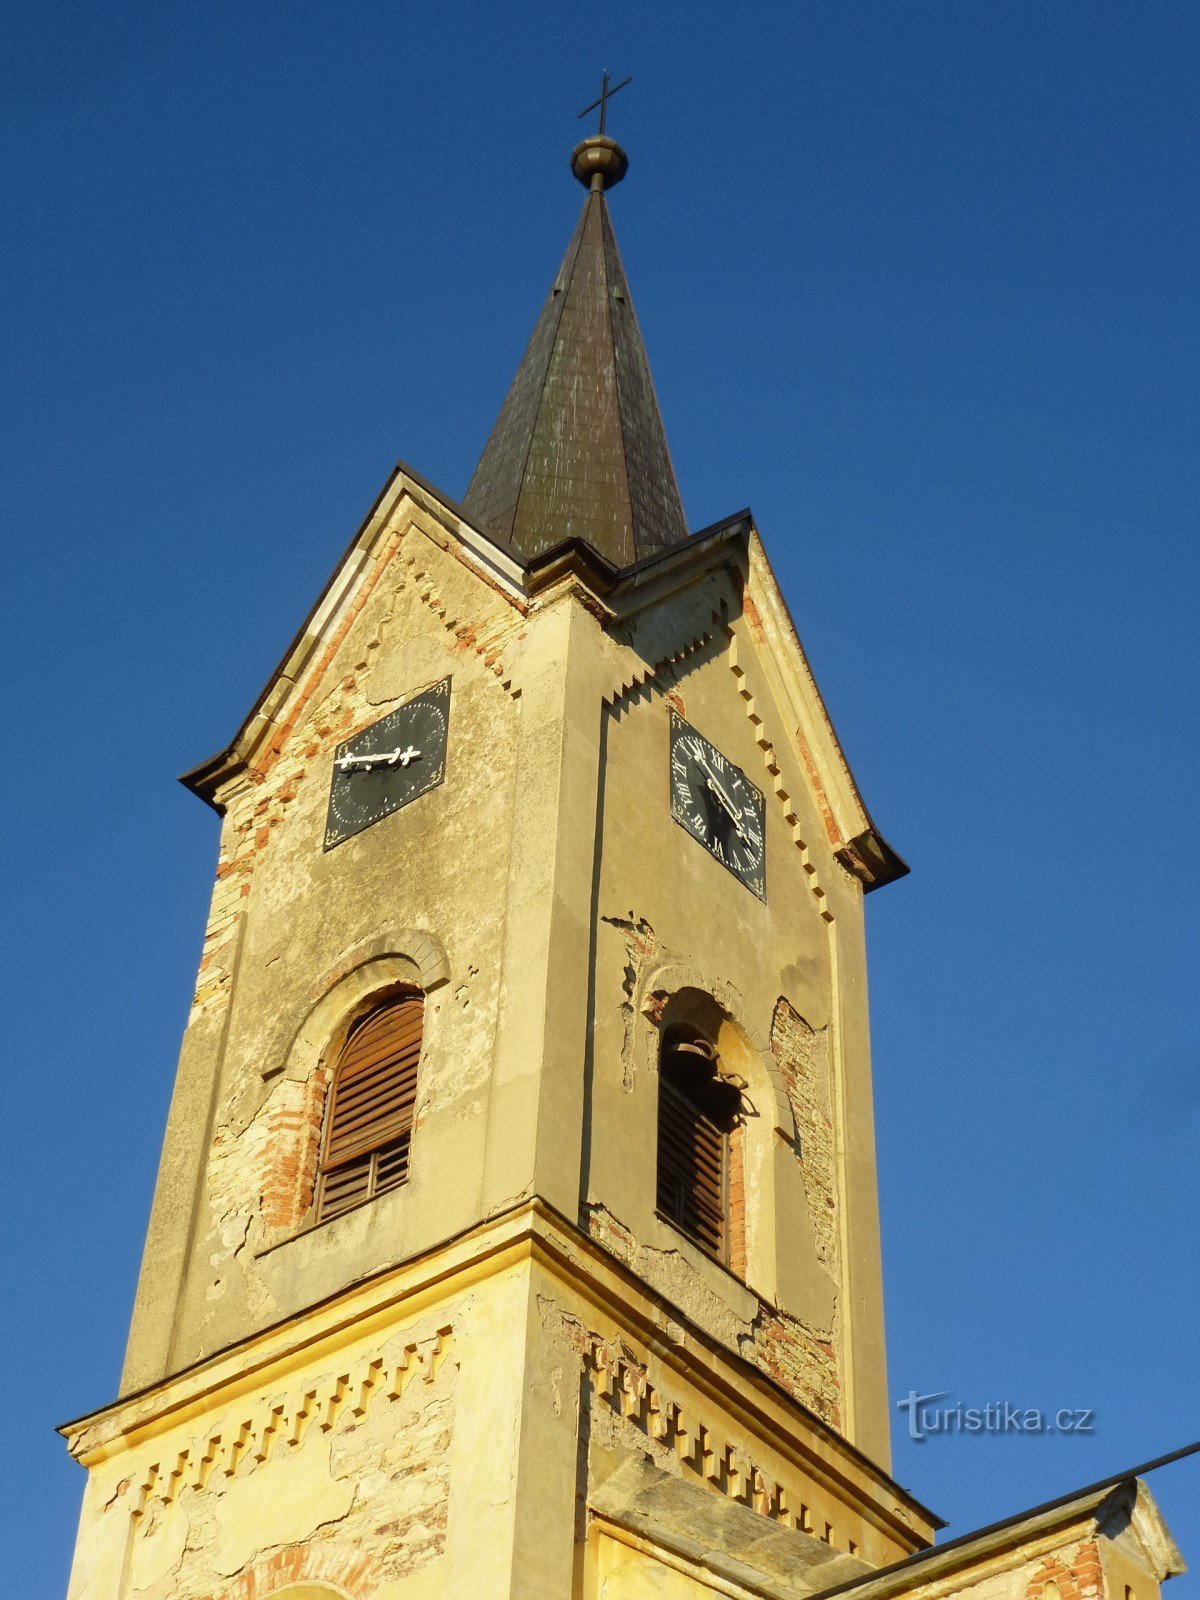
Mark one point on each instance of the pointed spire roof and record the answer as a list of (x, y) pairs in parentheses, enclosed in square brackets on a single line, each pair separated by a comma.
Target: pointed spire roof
[(578, 450)]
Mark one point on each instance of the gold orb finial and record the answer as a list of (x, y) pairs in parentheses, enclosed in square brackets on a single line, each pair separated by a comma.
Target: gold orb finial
[(599, 162)]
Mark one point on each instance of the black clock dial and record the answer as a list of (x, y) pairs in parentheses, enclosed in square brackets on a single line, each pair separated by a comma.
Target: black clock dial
[(388, 764), (718, 805)]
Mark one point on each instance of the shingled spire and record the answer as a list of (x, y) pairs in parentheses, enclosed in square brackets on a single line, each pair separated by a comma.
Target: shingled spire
[(578, 450)]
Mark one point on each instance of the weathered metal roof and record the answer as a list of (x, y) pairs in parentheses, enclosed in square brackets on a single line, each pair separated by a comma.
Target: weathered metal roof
[(578, 450)]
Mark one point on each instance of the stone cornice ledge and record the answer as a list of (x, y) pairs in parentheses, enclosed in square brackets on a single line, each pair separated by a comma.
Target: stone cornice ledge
[(529, 1232), (314, 1334)]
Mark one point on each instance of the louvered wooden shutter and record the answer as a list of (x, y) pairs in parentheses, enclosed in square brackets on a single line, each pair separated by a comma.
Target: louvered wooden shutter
[(693, 1160), (368, 1126)]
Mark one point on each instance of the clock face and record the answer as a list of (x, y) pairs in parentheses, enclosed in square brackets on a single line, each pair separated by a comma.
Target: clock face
[(388, 764), (718, 805)]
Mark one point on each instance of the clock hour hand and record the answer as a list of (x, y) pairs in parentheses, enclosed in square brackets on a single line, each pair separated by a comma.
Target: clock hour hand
[(714, 783), (377, 758), (735, 816)]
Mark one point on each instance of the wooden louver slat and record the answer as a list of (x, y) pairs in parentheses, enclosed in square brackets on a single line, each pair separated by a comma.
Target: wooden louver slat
[(368, 1126), (692, 1167)]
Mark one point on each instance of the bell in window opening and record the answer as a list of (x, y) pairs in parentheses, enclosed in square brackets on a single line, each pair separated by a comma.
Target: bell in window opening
[(697, 1113)]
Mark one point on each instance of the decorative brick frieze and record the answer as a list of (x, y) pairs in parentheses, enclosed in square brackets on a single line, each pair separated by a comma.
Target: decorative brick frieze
[(662, 675), (701, 1444), (486, 639), (775, 775), (278, 1424)]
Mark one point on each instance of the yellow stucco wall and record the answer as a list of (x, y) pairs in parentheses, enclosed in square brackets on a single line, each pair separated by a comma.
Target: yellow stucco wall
[(443, 1438)]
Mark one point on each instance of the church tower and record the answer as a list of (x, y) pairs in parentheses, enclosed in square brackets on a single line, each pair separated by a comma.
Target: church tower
[(516, 1232)]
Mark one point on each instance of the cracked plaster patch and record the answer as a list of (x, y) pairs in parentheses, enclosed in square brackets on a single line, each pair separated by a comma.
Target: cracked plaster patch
[(301, 1464)]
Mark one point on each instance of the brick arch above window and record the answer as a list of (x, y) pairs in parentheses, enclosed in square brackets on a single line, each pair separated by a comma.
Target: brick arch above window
[(407, 957), (658, 988), (307, 1591), (298, 1069), (308, 1572)]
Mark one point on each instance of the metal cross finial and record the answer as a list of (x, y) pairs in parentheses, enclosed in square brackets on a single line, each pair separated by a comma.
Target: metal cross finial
[(606, 95)]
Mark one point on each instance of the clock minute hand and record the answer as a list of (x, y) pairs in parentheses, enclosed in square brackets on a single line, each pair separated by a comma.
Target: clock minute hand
[(378, 758), (717, 788), (714, 783)]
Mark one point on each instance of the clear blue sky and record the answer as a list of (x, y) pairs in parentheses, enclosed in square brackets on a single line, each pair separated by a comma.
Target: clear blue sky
[(919, 284)]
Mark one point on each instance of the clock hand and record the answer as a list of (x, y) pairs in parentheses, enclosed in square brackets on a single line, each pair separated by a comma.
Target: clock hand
[(377, 758), (714, 783), (735, 815)]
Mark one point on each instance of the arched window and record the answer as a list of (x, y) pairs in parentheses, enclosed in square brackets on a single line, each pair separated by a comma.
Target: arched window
[(696, 1115), (369, 1117)]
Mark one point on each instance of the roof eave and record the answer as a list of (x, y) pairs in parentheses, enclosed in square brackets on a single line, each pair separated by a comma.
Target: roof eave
[(1123, 1495), (577, 558), (209, 777), (864, 852)]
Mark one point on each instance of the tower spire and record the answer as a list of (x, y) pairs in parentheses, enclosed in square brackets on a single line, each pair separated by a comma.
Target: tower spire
[(579, 450)]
